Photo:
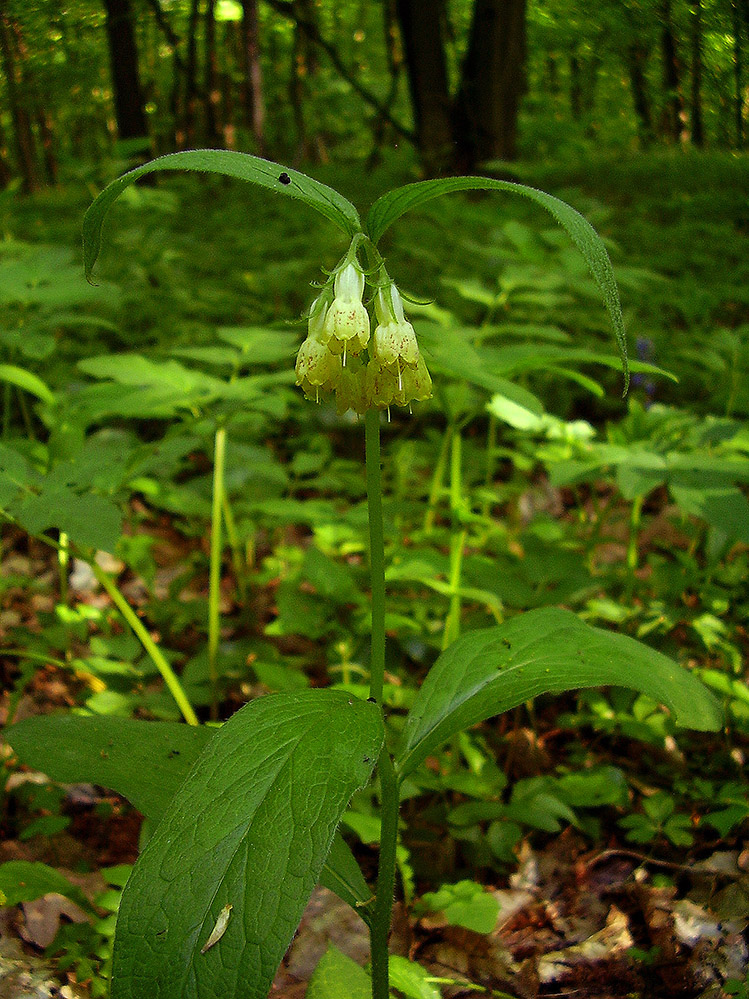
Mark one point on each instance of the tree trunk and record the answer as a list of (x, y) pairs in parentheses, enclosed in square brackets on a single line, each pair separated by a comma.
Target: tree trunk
[(738, 73), (252, 75), (422, 32), (22, 131), (186, 130), (211, 82), (123, 56), (576, 88), (636, 58), (492, 83), (674, 115), (698, 131)]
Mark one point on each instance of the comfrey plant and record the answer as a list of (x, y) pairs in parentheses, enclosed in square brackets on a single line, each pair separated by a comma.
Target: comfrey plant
[(245, 817)]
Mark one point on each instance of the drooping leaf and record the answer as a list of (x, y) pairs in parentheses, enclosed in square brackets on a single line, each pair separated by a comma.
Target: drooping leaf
[(251, 828), (265, 173), (548, 650), (143, 761), (336, 976), (391, 206), (24, 881), (27, 381)]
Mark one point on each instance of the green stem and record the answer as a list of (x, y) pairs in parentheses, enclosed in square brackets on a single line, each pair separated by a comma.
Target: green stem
[(168, 674), (237, 555), (457, 541), (438, 479), (214, 575), (376, 552), (389, 798), (379, 930), (63, 564)]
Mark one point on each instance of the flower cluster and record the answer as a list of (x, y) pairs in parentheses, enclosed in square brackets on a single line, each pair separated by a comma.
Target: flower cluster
[(340, 356)]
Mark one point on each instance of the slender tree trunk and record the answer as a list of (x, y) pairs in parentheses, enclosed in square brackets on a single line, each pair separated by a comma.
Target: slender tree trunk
[(576, 89), (422, 32), (698, 130), (186, 131), (738, 73), (23, 134), (636, 58), (123, 56), (674, 114), (252, 74), (5, 171), (492, 83), (211, 83)]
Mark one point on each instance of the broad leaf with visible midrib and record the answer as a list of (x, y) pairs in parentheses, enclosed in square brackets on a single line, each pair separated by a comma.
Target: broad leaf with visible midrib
[(542, 651), (250, 827), (265, 173), (391, 206)]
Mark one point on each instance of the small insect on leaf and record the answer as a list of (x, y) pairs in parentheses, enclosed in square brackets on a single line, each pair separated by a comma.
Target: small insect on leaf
[(284, 178), (219, 929)]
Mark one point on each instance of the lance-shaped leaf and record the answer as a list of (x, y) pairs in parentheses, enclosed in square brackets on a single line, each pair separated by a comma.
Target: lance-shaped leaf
[(392, 205), (543, 651), (265, 173), (250, 827), (341, 874)]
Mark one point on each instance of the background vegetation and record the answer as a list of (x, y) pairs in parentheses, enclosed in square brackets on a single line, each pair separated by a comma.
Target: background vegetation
[(527, 481)]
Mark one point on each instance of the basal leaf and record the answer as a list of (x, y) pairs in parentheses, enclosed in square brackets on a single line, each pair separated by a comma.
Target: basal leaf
[(143, 761), (250, 828), (392, 205), (265, 173), (542, 651)]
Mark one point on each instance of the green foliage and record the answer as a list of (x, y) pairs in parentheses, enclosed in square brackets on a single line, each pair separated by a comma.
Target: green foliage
[(217, 848)]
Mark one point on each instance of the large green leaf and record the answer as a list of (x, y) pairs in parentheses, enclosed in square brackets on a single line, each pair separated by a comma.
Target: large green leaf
[(250, 828), (265, 173), (392, 205), (143, 761), (146, 762), (543, 651)]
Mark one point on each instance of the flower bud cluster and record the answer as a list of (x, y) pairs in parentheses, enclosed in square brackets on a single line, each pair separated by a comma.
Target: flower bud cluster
[(340, 356)]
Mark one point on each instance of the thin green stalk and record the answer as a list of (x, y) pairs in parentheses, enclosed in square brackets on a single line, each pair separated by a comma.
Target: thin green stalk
[(389, 799), (63, 563), (438, 479), (379, 930), (457, 541), (237, 555), (491, 462), (376, 552), (214, 575), (168, 674)]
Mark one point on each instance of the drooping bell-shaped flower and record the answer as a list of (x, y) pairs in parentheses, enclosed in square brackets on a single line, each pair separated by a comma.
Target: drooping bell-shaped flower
[(347, 320)]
